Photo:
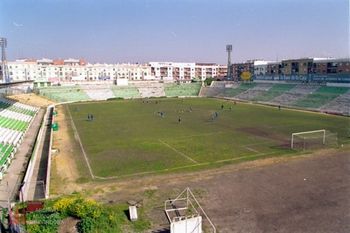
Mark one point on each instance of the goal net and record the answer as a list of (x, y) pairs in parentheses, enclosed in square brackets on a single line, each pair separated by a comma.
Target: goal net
[(315, 139)]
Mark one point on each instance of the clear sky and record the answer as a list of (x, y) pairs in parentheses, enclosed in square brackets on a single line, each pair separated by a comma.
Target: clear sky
[(175, 30)]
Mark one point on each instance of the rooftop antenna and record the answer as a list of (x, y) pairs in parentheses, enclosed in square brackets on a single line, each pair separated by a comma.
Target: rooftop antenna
[(4, 69), (229, 50)]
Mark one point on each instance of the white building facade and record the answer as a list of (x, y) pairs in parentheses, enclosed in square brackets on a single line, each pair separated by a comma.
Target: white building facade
[(75, 70)]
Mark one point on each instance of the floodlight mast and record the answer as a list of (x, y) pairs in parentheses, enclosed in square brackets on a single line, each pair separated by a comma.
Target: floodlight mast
[(229, 50), (4, 69)]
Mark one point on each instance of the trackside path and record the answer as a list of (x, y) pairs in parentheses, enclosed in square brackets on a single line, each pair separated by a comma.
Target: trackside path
[(76, 135)]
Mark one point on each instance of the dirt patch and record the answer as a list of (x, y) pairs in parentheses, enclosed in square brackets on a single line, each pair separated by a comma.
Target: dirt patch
[(32, 99), (293, 194), (64, 169), (68, 225)]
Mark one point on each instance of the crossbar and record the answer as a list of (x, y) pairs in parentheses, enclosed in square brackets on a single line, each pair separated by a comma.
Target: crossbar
[(309, 132)]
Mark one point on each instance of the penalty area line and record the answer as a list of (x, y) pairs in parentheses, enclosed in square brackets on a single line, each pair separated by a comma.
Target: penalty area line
[(179, 152), (250, 149), (186, 166)]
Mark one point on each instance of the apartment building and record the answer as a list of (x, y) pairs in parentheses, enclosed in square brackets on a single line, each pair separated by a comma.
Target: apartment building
[(239, 68), (186, 72), (331, 66), (47, 70)]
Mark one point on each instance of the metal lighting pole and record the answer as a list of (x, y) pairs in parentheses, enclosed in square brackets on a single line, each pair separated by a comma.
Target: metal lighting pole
[(229, 50), (4, 68)]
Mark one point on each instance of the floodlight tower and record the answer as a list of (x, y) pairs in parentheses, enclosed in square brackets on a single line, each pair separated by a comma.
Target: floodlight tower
[(4, 69), (229, 50)]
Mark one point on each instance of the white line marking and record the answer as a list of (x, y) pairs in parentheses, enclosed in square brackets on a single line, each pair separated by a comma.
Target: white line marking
[(182, 167), (179, 152), (251, 149), (81, 145), (197, 135)]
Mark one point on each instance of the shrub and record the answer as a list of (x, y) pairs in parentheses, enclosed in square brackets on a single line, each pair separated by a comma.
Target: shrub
[(77, 206), (208, 81), (86, 225), (43, 221)]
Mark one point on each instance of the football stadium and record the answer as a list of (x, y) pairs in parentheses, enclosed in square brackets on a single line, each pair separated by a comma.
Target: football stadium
[(89, 140), (174, 116)]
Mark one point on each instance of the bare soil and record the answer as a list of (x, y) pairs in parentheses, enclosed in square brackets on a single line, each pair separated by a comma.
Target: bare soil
[(68, 225), (32, 99), (64, 169), (296, 194)]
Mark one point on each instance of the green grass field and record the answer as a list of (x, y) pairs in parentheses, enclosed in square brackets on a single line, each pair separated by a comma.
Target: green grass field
[(128, 137)]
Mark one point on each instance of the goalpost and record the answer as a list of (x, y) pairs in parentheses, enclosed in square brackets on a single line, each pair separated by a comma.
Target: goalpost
[(313, 138)]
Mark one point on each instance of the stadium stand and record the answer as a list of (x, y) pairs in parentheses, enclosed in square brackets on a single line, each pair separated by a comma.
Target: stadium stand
[(210, 91), (126, 92), (236, 90), (191, 89), (98, 92), (252, 93), (15, 119), (274, 91), (293, 95), (150, 89), (225, 89), (340, 104), (320, 97), (64, 93)]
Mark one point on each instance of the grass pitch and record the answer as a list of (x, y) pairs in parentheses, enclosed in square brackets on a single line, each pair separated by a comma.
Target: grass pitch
[(130, 137)]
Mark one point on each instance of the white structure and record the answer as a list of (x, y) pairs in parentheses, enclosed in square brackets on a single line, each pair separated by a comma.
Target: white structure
[(74, 70), (47, 70), (171, 71), (122, 82), (185, 72), (315, 134), (185, 214), (260, 67)]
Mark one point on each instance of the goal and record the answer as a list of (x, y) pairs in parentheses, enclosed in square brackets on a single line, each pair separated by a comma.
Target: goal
[(313, 139)]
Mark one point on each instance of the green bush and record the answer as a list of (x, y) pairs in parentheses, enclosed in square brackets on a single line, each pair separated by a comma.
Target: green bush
[(208, 81), (86, 225), (94, 218), (77, 206), (43, 221)]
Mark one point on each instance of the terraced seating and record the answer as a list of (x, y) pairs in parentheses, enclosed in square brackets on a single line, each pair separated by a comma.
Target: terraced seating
[(294, 94), (191, 89), (17, 107), (236, 90), (13, 124), (15, 118), (320, 97), (252, 93), (211, 91), (218, 84), (340, 104), (217, 88), (273, 92), (125, 92), (6, 154), (64, 93), (98, 92), (10, 136), (150, 89)]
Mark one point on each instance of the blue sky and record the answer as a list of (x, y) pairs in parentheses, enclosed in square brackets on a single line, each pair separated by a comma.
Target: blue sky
[(175, 30)]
